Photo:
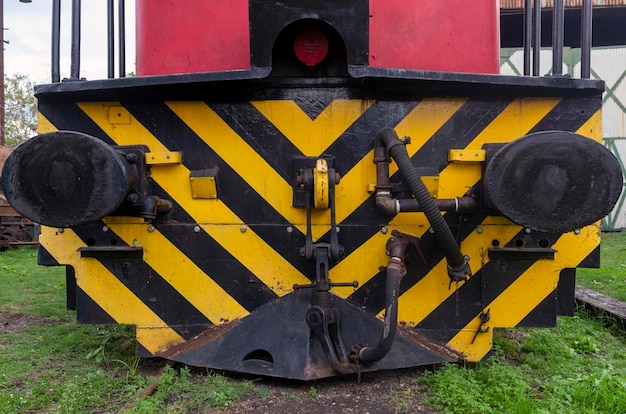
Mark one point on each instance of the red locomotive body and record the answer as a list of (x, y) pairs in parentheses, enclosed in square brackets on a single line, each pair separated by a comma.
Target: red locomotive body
[(208, 36)]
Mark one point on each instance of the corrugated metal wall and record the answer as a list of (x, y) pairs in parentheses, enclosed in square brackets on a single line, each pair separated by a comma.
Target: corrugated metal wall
[(608, 64)]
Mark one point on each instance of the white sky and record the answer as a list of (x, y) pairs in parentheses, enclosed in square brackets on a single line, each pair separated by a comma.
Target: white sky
[(29, 36)]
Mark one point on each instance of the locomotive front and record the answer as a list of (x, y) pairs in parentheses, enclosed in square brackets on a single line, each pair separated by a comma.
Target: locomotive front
[(304, 189)]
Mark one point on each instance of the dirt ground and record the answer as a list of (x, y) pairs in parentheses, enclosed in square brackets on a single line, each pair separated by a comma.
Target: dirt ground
[(385, 392), (10, 321), (376, 393)]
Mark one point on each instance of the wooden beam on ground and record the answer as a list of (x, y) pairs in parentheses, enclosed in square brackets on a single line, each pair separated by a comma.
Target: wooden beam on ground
[(607, 305)]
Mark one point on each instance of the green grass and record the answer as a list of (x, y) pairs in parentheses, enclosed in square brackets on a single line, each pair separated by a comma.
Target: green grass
[(28, 288), (192, 393), (53, 365), (610, 278), (575, 368)]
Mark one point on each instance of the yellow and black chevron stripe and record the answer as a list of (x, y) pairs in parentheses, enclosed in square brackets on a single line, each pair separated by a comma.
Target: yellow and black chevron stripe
[(216, 260)]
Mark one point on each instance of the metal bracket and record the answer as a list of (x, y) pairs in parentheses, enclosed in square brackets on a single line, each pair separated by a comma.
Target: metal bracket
[(323, 318), (317, 185), (484, 318), (302, 166), (306, 181)]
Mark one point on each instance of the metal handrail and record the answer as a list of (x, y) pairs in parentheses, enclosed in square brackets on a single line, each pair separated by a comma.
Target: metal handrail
[(532, 37), (76, 39)]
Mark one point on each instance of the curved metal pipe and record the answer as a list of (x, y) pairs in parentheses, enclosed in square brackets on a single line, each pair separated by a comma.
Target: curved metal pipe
[(387, 142), (153, 205), (394, 274), (392, 206)]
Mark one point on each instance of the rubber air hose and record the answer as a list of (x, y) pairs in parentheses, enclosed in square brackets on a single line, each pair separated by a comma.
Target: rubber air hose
[(458, 268)]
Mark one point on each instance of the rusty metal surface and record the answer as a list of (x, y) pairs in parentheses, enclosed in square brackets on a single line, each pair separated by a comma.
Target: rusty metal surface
[(8, 211), (15, 230), (198, 342), (4, 153), (5, 242)]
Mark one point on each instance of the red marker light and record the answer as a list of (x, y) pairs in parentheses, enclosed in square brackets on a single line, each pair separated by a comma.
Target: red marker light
[(311, 46)]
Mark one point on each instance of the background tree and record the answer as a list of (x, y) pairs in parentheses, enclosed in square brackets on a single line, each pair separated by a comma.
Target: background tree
[(20, 108)]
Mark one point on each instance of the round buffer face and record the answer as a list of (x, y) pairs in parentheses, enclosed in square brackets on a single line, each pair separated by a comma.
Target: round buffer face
[(553, 181), (65, 179)]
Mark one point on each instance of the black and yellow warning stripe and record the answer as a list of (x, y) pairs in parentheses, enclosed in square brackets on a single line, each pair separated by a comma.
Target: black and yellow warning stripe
[(218, 260)]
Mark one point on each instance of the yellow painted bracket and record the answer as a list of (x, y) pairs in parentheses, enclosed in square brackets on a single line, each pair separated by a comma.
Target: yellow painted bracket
[(164, 158), (466, 155), (321, 184)]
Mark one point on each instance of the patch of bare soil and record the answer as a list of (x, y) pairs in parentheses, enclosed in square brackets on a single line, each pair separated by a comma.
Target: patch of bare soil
[(388, 392), (385, 392), (10, 321)]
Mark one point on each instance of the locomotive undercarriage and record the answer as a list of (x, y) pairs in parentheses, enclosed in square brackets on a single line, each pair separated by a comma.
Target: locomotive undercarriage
[(295, 246)]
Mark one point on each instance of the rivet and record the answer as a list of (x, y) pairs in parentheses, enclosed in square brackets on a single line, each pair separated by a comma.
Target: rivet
[(132, 198), (196, 229), (105, 229), (479, 229), (337, 229), (151, 229), (243, 229), (289, 229), (383, 230), (60, 230), (577, 231), (527, 230)]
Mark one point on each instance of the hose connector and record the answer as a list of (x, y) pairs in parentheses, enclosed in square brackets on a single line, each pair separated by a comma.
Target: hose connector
[(460, 273)]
